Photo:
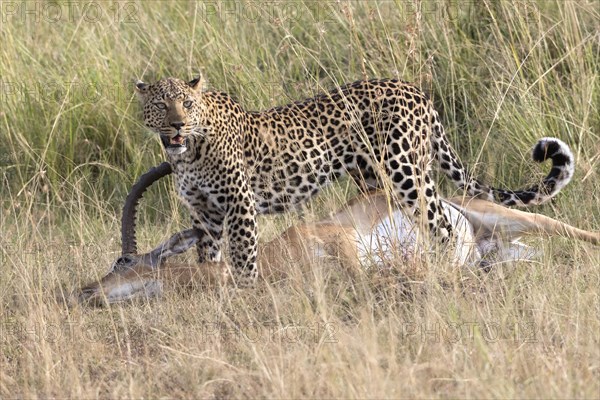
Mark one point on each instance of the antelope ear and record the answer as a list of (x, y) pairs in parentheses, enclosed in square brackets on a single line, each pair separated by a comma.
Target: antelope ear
[(197, 84), (141, 89)]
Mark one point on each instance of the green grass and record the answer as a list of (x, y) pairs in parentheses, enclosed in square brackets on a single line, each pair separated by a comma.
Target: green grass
[(502, 74)]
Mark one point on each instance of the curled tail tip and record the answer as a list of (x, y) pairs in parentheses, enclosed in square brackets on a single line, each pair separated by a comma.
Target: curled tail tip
[(563, 163), (563, 168), (553, 148)]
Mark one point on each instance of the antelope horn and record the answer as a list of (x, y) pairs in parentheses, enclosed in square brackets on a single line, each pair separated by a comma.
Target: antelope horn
[(128, 235)]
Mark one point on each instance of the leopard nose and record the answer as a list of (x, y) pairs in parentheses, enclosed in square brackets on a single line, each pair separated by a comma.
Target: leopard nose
[(177, 125)]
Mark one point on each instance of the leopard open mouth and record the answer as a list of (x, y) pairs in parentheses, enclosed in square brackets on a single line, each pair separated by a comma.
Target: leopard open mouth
[(174, 142)]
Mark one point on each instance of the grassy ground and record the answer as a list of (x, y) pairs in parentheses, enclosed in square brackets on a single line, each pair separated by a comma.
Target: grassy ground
[(502, 75)]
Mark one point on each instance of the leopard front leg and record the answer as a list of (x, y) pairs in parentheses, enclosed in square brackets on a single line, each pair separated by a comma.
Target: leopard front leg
[(210, 230), (242, 234)]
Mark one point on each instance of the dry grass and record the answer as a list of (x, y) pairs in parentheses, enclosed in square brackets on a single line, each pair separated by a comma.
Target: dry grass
[(502, 73)]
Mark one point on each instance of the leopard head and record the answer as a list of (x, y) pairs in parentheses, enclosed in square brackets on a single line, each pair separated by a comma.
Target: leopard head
[(172, 108)]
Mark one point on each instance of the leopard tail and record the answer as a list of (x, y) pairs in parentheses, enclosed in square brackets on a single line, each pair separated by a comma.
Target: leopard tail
[(561, 173)]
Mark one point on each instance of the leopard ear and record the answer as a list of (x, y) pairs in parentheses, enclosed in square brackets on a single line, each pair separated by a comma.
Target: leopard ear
[(141, 89), (197, 84)]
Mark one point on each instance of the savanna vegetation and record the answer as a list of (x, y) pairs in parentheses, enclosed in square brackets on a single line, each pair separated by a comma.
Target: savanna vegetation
[(501, 73)]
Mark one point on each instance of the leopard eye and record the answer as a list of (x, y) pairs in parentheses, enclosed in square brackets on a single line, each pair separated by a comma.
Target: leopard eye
[(187, 104), (160, 106)]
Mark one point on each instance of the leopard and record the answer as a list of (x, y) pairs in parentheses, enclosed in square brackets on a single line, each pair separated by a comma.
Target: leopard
[(231, 165)]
